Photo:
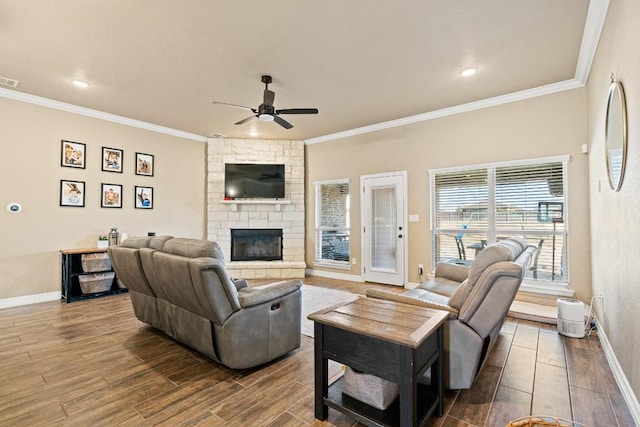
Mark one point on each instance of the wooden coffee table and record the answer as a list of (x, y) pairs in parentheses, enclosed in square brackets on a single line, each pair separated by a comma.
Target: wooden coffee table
[(394, 341)]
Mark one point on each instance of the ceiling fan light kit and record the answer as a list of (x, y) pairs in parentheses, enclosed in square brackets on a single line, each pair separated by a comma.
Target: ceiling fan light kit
[(266, 112)]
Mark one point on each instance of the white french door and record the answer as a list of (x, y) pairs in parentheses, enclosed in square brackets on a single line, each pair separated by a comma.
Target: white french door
[(384, 236)]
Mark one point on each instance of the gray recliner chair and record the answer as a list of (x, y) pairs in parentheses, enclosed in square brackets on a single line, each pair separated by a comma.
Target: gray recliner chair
[(126, 262), (477, 299), (181, 287)]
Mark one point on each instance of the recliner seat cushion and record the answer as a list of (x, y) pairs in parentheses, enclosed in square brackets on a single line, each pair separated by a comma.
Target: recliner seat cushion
[(441, 286), (427, 295)]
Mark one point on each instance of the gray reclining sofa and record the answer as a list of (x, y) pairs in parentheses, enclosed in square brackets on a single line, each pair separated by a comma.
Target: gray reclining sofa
[(181, 287), (477, 299)]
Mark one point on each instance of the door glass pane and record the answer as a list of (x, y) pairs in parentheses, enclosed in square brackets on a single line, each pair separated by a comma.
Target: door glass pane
[(384, 224)]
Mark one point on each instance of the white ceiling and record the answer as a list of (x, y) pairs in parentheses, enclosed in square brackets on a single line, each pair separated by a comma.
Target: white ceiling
[(360, 62)]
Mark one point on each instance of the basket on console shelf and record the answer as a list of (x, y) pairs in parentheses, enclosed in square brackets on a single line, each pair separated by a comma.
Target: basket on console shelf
[(98, 282), (95, 262), (543, 421)]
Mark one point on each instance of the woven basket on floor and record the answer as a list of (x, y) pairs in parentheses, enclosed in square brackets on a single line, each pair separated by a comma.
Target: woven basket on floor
[(541, 421)]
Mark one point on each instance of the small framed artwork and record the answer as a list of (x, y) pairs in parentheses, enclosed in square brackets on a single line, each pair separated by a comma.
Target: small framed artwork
[(73, 154), (112, 159), (144, 197), (111, 196), (144, 164), (72, 193)]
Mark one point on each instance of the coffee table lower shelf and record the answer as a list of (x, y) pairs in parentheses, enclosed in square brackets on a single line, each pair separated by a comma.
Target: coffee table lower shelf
[(368, 415)]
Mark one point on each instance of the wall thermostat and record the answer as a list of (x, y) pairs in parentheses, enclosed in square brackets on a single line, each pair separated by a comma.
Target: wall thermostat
[(14, 207)]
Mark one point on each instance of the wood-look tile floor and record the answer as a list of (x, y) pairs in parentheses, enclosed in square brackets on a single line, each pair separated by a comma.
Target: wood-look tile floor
[(93, 363)]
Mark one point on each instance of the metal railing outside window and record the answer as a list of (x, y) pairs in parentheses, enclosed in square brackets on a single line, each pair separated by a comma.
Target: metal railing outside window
[(474, 206)]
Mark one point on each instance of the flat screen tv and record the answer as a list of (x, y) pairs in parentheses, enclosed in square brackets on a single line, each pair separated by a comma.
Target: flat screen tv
[(253, 181)]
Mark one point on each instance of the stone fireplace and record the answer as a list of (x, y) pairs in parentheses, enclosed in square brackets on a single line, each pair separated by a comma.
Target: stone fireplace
[(285, 214), (256, 244)]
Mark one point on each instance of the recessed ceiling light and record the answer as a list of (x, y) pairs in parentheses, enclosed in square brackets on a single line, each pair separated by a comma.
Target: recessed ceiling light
[(467, 72), (80, 83)]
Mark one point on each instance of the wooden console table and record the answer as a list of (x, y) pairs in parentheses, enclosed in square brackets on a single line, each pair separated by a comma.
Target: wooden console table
[(396, 342), (71, 269)]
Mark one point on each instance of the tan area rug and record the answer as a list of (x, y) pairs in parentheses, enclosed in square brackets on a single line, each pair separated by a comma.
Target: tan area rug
[(315, 298)]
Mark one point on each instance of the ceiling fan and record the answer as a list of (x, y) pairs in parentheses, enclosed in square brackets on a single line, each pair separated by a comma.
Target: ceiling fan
[(266, 111)]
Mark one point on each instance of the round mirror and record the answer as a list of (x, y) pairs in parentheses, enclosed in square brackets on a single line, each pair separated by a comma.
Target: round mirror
[(616, 134)]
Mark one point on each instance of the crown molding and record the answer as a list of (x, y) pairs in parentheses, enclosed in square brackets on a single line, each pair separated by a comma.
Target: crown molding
[(596, 15), (594, 24), (463, 108), (75, 109)]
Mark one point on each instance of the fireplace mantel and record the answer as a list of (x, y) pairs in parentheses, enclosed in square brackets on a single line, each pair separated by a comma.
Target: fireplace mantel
[(277, 203), (256, 202)]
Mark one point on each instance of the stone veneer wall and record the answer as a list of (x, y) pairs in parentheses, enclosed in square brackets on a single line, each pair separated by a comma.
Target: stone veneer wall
[(222, 215)]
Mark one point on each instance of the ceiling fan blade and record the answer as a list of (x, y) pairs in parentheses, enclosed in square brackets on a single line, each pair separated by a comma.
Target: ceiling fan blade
[(246, 120), (232, 105), (298, 111), (268, 97), (282, 122)]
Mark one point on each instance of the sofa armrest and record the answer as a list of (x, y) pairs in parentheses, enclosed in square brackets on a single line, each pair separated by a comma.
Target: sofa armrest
[(249, 297), (240, 283), (456, 272), (405, 299)]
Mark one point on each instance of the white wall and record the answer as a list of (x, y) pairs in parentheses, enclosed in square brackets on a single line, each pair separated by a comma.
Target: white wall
[(539, 127), (30, 174), (615, 216)]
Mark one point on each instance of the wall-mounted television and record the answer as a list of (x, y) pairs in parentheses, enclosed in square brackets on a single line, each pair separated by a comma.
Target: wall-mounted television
[(253, 181)]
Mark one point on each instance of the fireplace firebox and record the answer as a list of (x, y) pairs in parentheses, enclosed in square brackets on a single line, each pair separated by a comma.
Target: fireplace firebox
[(256, 244)]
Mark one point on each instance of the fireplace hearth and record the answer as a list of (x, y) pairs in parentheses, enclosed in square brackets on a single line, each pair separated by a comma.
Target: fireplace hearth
[(256, 244)]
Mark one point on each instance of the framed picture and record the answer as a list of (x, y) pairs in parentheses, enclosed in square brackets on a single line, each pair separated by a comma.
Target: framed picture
[(111, 196), (112, 159), (72, 193), (73, 154), (144, 164), (144, 197)]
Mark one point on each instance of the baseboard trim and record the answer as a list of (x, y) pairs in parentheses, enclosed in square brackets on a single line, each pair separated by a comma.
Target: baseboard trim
[(621, 379), (30, 299), (332, 275)]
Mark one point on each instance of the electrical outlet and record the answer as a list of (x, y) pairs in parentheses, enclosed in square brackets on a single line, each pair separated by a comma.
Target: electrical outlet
[(420, 269)]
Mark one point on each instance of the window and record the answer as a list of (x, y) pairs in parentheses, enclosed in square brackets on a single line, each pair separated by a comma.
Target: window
[(475, 206), (332, 223)]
